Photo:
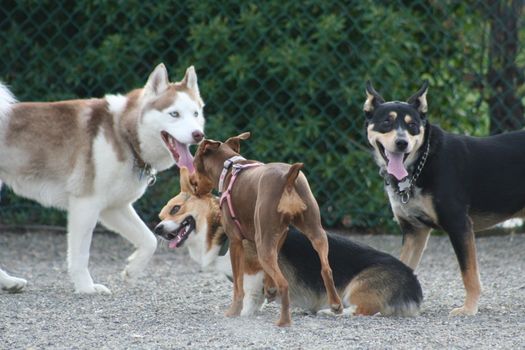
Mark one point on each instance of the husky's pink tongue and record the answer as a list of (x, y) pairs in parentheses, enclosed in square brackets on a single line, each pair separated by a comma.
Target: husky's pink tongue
[(395, 165), (185, 157)]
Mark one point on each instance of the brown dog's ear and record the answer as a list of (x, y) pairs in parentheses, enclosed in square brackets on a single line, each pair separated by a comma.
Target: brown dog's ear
[(235, 141), (185, 185), (200, 184), (207, 146)]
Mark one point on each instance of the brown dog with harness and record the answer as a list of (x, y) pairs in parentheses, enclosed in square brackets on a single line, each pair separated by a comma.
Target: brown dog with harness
[(261, 201)]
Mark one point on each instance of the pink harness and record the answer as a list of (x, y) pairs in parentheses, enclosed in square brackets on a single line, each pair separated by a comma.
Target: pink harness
[(226, 195)]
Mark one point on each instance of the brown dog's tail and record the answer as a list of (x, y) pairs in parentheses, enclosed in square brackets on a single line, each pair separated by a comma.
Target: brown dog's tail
[(291, 204)]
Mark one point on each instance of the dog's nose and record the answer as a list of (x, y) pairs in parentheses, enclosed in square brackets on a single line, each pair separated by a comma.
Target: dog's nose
[(401, 144), (197, 135), (159, 229)]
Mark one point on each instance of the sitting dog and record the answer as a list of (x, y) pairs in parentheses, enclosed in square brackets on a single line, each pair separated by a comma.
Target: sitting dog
[(367, 279), (438, 180), (259, 202), (95, 157)]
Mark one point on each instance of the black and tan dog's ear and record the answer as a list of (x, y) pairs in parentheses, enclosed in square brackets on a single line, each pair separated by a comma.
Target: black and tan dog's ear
[(185, 185), (235, 141), (373, 99), (200, 184), (419, 99)]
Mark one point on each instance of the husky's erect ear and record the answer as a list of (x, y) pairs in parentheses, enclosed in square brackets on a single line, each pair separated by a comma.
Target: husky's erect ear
[(158, 81), (201, 185), (185, 185), (235, 141), (190, 80), (373, 99), (419, 99)]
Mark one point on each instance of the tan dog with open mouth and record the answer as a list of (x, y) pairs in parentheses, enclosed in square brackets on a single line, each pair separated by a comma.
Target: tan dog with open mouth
[(260, 201)]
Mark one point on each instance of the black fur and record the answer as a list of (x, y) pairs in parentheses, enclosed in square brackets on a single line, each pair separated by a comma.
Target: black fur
[(347, 259)]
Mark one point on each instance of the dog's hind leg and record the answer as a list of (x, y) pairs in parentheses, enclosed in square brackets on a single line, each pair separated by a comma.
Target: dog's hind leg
[(310, 224), (11, 284), (82, 218), (126, 222)]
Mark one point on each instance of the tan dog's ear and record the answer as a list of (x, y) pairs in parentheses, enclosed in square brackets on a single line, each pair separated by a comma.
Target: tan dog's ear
[(201, 185), (235, 141), (185, 185)]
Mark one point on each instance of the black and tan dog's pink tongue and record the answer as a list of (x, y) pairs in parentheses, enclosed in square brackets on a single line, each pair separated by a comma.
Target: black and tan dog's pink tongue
[(185, 157), (395, 165)]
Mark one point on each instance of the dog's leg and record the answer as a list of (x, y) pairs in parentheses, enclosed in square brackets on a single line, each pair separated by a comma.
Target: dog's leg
[(126, 222), (253, 293), (465, 247), (268, 259), (320, 244), (82, 218), (458, 225), (237, 260), (414, 243), (11, 284)]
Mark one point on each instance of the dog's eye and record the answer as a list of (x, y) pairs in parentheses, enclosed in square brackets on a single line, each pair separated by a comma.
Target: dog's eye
[(195, 114), (386, 123), (174, 210), (174, 114)]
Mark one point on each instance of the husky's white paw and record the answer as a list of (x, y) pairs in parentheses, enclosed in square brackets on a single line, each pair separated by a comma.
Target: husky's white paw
[(93, 289), (13, 284)]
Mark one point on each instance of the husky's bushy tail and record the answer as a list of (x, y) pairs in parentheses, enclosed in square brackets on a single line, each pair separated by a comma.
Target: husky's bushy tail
[(7, 99)]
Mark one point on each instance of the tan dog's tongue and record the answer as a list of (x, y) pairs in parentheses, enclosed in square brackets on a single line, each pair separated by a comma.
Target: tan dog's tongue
[(395, 165), (185, 157)]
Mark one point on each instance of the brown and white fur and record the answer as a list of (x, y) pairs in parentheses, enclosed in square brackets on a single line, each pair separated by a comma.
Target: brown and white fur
[(266, 198), (368, 280), (95, 157)]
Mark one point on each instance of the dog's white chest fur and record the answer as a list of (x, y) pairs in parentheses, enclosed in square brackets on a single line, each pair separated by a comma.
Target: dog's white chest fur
[(419, 207)]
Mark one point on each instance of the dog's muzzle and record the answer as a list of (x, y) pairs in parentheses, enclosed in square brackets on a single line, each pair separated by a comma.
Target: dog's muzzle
[(177, 237)]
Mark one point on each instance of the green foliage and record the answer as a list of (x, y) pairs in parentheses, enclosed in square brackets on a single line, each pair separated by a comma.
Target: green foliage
[(292, 73)]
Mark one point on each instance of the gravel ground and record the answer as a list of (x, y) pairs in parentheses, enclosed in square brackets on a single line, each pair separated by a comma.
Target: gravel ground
[(176, 306)]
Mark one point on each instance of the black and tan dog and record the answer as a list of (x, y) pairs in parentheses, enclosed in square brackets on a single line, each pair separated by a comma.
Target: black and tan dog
[(435, 179), (368, 280)]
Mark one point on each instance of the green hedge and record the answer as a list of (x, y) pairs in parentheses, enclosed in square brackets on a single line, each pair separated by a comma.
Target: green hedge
[(292, 73)]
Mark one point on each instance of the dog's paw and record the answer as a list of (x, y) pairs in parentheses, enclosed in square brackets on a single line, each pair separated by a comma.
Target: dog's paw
[(463, 311), (270, 294), (337, 308), (14, 284), (93, 289)]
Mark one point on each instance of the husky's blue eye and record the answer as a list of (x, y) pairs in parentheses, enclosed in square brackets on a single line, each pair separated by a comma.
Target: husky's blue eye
[(174, 114)]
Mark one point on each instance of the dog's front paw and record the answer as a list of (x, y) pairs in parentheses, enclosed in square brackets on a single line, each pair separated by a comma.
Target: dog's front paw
[(93, 289), (14, 284), (463, 311)]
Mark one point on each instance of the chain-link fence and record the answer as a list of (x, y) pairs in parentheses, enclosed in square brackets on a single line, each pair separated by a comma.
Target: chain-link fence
[(293, 73)]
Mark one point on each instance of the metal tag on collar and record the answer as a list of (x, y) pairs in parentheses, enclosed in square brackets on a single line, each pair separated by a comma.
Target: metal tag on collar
[(404, 185), (404, 196)]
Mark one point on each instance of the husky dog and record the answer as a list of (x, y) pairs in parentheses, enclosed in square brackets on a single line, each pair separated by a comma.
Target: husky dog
[(95, 157)]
